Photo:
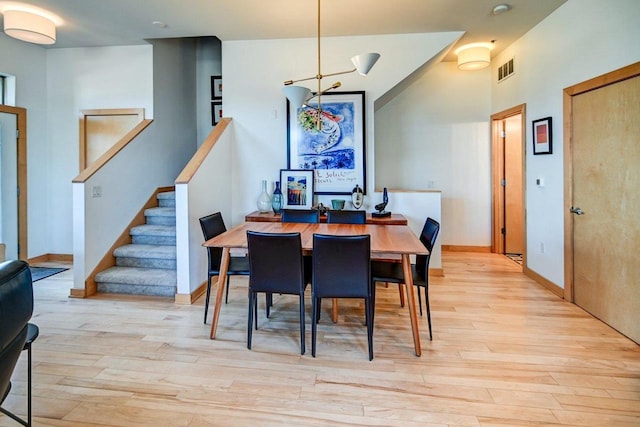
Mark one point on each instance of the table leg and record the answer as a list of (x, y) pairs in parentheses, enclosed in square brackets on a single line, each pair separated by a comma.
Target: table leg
[(334, 310), (411, 301), (224, 267)]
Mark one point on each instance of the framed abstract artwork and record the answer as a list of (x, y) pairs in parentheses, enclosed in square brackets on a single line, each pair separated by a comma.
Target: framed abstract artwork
[(333, 151), (216, 112), (297, 188), (216, 87), (542, 137)]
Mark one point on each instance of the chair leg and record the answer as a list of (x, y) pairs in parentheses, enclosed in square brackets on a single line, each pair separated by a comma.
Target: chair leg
[(14, 417), (252, 297), (426, 299), (302, 337), (400, 291), (319, 311), (29, 385), (226, 295), (268, 303), (315, 316), (419, 301), (206, 301), (369, 314)]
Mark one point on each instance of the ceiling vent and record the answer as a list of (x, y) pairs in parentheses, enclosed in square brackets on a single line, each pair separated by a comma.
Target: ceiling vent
[(506, 70)]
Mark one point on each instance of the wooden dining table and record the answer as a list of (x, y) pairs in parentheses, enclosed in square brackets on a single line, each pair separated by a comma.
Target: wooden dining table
[(385, 239)]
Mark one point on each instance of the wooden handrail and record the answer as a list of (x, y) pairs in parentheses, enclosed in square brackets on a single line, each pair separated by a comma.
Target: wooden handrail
[(111, 152), (202, 152)]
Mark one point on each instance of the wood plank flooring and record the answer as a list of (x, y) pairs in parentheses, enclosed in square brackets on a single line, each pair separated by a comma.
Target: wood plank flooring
[(505, 352)]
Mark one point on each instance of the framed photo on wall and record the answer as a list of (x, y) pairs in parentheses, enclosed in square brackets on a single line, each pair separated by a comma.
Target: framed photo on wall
[(297, 188), (542, 137), (216, 87), (216, 112), (335, 151)]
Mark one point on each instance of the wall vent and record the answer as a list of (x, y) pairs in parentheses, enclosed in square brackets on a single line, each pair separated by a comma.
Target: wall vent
[(506, 70)]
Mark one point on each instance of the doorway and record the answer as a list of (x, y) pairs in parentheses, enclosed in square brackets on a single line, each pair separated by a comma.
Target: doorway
[(508, 188), (14, 181), (602, 154)]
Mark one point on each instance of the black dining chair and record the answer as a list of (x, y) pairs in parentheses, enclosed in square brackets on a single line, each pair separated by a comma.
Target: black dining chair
[(342, 269), (383, 271), (16, 333), (301, 215), (275, 265), (346, 217), (213, 225)]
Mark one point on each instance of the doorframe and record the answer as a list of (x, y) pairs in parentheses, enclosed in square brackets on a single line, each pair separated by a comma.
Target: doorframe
[(497, 166), (615, 76), (21, 122)]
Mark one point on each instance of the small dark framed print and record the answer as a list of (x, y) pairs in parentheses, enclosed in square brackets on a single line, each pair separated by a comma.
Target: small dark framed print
[(542, 137)]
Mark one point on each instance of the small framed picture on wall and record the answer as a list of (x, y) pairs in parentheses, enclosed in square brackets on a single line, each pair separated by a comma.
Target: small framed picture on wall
[(542, 137), (216, 112), (216, 87)]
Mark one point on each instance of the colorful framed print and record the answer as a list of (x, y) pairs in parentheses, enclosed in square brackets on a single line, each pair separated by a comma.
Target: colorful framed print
[(297, 188), (216, 87), (542, 137), (335, 150)]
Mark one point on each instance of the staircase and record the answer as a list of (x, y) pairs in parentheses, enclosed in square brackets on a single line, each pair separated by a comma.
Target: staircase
[(147, 266)]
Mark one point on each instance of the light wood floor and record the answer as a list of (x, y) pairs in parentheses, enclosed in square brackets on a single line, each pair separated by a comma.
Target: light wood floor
[(505, 352)]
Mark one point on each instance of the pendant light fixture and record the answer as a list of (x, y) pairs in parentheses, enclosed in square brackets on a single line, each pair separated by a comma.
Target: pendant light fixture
[(299, 96)]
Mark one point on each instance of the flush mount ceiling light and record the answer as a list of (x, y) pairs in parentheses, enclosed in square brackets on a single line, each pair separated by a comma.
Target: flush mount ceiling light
[(501, 8), (474, 56), (299, 96), (29, 27)]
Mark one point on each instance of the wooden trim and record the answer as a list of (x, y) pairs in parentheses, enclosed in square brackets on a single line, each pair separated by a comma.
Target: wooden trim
[(462, 248), (111, 152), (545, 283), (188, 299), (497, 165), (108, 260), (23, 226), (615, 76), (436, 272), (68, 258), (77, 293), (101, 112), (398, 190), (202, 152)]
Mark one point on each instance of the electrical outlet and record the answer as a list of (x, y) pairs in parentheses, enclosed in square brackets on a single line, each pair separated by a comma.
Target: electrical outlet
[(96, 191)]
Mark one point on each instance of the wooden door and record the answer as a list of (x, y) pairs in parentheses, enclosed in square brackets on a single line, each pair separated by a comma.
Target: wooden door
[(101, 129), (513, 197), (605, 185)]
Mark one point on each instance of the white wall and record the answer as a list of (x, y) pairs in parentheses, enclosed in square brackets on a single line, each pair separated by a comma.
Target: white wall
[(435, 134), (28, 63), (582, 39), (208, 63), (254, 72), (81, 79)]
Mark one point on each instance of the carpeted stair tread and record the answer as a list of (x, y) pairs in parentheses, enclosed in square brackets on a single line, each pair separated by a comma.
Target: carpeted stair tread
[(166, 195), (138, 276), (153, 230), (160, 212), (145, 251)]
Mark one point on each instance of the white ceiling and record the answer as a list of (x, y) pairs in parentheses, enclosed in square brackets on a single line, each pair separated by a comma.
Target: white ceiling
[(87, 23)]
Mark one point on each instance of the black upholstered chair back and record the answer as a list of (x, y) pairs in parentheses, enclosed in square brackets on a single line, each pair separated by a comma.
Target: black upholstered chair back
[(275, 262), (347, 217), (16, 308), (428, 238), (213, 225), (300, 215)]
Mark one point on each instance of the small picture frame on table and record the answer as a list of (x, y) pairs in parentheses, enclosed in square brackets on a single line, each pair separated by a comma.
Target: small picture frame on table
[(542, 137), (297, 188)]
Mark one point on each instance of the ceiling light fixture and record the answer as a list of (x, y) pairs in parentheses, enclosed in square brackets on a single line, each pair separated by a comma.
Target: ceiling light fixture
[(300, 96), (29, 27), (501, 8), (474, 56)]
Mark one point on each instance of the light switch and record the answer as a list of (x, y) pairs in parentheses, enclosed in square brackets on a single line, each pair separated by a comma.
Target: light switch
[(540, 182)]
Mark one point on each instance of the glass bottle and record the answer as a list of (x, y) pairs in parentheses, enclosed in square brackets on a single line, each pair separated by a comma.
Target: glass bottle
[(276, 199), (264, 201)]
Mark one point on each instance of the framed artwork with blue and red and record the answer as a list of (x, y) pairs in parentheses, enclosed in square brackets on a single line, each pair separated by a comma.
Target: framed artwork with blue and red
[(297, 188), (334, 147)]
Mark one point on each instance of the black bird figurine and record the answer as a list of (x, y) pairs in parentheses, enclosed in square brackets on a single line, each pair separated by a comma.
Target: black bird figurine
[(380, 206)]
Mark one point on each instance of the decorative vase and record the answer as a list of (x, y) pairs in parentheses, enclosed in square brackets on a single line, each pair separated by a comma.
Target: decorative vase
[(264, 201), (276, 199)]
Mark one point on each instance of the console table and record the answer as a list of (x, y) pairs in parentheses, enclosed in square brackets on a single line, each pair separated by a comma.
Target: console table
[(394, 219)]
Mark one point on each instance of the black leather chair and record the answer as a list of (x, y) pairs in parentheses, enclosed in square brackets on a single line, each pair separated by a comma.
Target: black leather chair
[(276, 266), (300, 215), (392, 272), (213, 225), (347, 217), (342, 269), (16, 308)]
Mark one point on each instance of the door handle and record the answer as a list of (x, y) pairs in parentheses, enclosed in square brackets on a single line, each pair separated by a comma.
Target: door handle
[(576, 211)]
